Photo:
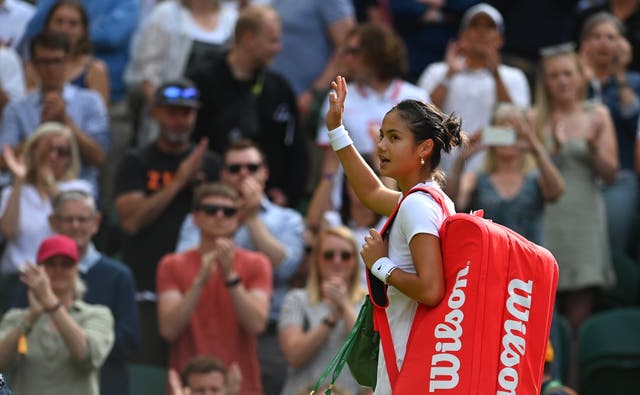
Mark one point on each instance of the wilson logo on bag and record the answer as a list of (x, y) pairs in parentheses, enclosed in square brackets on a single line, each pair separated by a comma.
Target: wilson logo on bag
[(489, 333)]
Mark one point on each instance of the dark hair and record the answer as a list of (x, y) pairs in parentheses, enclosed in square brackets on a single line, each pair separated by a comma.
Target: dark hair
[(382, 49), (84, 45), (243, 144), (427, 121), (49, 40), (202, 364), (345, 208), (208, 189)]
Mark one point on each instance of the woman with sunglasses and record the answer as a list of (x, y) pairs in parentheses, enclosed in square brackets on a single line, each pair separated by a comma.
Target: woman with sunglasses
[(57, 344), (70, 18), (411, 140), (49, 164), (315, 321), (580, 137)]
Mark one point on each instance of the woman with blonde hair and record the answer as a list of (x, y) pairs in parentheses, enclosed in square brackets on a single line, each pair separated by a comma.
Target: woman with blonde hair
[(517, 179), (49, 163), (314, 322), (581, 138)]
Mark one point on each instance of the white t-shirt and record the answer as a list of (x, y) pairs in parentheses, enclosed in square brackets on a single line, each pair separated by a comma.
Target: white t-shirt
[(33, 223), (365, 109), (222, 33), (471, 95), (419, 213)]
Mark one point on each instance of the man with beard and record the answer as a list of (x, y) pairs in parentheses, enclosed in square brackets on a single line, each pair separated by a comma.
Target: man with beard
[(153, 192)]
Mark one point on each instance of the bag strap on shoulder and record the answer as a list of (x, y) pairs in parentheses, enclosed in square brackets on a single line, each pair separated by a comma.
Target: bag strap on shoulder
[(378, 290)]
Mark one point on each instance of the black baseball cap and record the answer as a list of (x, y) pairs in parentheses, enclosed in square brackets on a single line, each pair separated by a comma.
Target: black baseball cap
[(181, 92)]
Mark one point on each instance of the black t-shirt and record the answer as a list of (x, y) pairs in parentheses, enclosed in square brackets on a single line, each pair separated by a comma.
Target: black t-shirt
[(149, 170)]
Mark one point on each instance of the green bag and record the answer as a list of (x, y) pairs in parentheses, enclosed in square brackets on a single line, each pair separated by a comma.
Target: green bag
[(359, 351)]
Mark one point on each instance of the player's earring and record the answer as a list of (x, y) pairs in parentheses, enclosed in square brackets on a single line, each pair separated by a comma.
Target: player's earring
[(421, 161)]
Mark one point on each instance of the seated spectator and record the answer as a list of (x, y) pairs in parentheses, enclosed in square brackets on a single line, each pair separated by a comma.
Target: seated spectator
[(14, 18), (551, 386), (472, 78), (314, 322), (109, 282), (268, 228), (206, 375), (58, 332), (111, 25), (176, 38), (81, 110), (49, 165), (517, 178), (70, 18), (214, 299)]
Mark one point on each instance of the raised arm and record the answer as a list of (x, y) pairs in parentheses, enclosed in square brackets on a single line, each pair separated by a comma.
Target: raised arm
[(370, 190)]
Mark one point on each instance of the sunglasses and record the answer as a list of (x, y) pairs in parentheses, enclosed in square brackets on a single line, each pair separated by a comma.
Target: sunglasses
[(213, 209), (351, 51), (237, 167), (177, 92), (330, 255), (61, 151), (558, 49), (48, 61)]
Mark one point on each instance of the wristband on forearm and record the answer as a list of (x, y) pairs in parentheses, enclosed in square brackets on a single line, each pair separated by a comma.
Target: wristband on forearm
[(339, 138), (382, 268)]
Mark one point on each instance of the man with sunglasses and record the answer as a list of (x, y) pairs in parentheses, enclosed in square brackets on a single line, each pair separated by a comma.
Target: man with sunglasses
[(242, 98), (213, 299), (153, 191), (265, 227), (80, 109)]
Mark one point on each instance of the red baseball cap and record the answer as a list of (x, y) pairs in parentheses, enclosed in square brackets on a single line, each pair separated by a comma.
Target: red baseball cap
[(57, 245)]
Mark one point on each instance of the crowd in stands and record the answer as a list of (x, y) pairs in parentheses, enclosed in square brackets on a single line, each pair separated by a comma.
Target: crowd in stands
[(168, 195)]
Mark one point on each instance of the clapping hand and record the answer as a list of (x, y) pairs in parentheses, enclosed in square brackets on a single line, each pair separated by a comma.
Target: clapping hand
[(14, 163)]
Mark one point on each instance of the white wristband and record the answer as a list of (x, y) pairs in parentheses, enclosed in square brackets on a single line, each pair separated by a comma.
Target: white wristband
[(339, 138), (382, 268)]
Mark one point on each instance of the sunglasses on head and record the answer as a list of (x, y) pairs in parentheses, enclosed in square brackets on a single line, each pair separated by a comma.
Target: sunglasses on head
[(558, 49), (237, 167), (331, 254), (213, 209), (177, 92)]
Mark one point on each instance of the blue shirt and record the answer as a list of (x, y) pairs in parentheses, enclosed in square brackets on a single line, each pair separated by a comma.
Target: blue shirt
[(84, 106), (111, 25), (285, 224)]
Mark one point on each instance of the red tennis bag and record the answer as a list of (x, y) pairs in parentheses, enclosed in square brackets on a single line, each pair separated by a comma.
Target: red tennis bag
[(489, 333)]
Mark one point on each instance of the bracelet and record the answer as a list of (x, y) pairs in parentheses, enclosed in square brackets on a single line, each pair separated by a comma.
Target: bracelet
[(54, 308), (339, 138), (327, 321), (382, 268), (232, 283)]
